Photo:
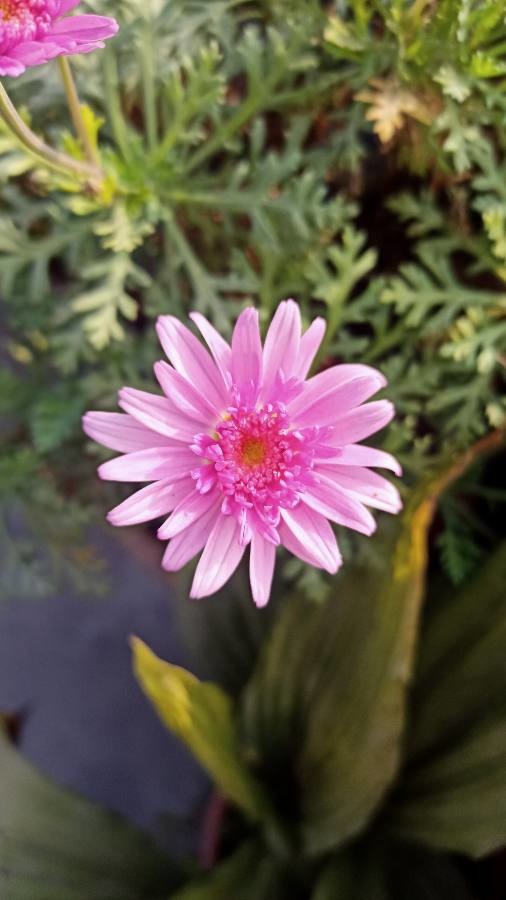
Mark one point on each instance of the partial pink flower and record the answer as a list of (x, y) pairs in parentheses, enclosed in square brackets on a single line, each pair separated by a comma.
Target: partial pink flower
[(243, 449), (35, 31)]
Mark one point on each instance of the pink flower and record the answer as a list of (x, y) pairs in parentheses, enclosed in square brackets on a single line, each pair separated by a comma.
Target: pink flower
[(243, 449), (33, 32)]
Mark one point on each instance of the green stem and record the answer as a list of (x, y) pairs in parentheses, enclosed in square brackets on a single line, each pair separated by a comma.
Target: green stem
[(61, 162), (113, 103), (149, 85), (200, 281), (234, 123), (333, 322), (76, 112), (257, 99), (385, 343)]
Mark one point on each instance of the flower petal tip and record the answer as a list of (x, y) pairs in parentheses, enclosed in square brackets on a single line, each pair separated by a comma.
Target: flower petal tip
[(261, 601)]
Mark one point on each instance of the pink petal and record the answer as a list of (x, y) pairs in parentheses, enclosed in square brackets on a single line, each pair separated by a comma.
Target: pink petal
[(309, 346), (281, 346), (247, 350), (192, 360), (261, 568), (222, 554), (330, 394), (11, 67), (359, 455), (149, 465), (290, 542), (361, 422), (84, 27), (67, 5), (35, 53), (189, 542), (121, 432), (159, 414), (313, 535), (221, 351), (74, 47), (184, 395), (154, 500), (190, 508), (328, 498), (366, 486)]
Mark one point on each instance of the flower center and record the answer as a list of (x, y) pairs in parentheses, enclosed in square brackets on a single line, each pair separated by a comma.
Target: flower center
[(253, 451), (259, 462), (25, 20)]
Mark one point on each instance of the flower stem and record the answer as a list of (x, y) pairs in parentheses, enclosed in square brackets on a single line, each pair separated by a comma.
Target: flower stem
[(76, 112), (113, 104), (62, 162), (149, 84), (211, 831)]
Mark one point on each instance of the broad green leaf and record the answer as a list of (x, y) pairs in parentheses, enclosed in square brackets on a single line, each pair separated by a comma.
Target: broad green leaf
[(201, 715), (324, 713), (55, 845), (248, 875), (453, 792), (355, 875), (378, 871), (422, 875)]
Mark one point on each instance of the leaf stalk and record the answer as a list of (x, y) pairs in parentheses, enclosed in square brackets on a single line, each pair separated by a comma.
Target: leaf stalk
[(55, 159)]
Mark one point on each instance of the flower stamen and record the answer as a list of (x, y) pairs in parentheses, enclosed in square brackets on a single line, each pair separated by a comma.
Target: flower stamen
[(260, 463)]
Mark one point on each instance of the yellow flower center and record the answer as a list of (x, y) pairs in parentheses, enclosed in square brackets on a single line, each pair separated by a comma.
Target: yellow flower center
[(253, 451), (8, 9)]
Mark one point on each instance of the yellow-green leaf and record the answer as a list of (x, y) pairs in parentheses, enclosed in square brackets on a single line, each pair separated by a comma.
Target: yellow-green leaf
[(201, 715)]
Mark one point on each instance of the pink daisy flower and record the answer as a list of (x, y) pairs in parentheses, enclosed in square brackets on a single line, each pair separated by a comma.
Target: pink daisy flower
[(243, 449), (35, 31)]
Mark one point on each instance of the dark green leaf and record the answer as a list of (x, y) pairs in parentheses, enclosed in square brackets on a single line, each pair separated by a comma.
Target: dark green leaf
[(453, 793), (376, 871), (55, 845), (248, 875), (353, 875), (421, 875), (324, 712)]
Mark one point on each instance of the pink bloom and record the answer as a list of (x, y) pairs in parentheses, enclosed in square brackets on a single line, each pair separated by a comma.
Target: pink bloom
[(243, 449), (35, 31)]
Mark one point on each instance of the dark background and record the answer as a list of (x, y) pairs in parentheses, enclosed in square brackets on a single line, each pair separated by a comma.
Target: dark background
[(65, 670)]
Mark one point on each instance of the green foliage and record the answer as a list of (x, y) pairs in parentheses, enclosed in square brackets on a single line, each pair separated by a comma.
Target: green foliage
[(392, 872), (54, 844), (54, 418), (352, 155), (452, 794), (201, 715), (362, 637), (459, 549), (361, 773), (241, 168), (249, 874)]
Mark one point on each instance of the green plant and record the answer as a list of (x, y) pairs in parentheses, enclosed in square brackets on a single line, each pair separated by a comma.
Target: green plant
[(351, 154), (355, 759), (235, 171)]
